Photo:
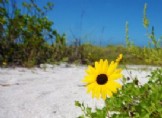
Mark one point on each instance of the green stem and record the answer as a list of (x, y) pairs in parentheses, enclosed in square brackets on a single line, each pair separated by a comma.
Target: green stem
[(108, 115)]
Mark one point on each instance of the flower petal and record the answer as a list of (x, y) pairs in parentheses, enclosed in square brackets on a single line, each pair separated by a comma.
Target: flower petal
[(90, 87), (109, 93), (103, 92), (96, 92), (116, 75), (89, 79), (90, 70), (112, 85), (105, 66), (112, 67)]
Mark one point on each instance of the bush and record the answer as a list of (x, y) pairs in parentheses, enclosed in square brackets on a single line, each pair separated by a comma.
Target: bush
[(133, 100)]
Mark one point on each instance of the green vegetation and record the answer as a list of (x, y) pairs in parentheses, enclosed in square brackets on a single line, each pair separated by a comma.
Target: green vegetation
[(134, 100), (93, 53), (25, 36), (153, 53)]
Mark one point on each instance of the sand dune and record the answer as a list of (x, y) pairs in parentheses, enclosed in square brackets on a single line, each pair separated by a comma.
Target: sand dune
[(50, 91)]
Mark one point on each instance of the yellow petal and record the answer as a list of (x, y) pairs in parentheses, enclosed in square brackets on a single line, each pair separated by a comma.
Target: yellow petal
[(97, 92), (90, 87), (101, 62), (105, 66), (111, 68), (89, 79), (90, 70), (112, 85), (103, 92), (115, 84), (97, 67), (119, 58), (109, 93), (118, 70), (115, 76)]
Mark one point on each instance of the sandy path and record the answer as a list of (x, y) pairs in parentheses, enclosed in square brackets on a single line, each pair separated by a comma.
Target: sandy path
[(50, 92)]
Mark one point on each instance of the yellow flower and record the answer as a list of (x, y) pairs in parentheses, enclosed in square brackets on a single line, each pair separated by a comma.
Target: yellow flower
[(119, 58), (100, 80)]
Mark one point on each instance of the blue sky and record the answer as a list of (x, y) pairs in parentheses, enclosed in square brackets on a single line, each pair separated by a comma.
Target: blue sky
[(103, 21)]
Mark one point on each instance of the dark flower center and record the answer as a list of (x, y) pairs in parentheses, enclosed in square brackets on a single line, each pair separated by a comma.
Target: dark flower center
[(102, 79)]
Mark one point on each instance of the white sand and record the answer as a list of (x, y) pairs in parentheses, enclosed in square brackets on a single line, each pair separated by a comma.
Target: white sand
[(50, 92)]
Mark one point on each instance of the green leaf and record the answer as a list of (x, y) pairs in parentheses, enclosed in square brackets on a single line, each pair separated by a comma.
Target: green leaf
[(77, 103)]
